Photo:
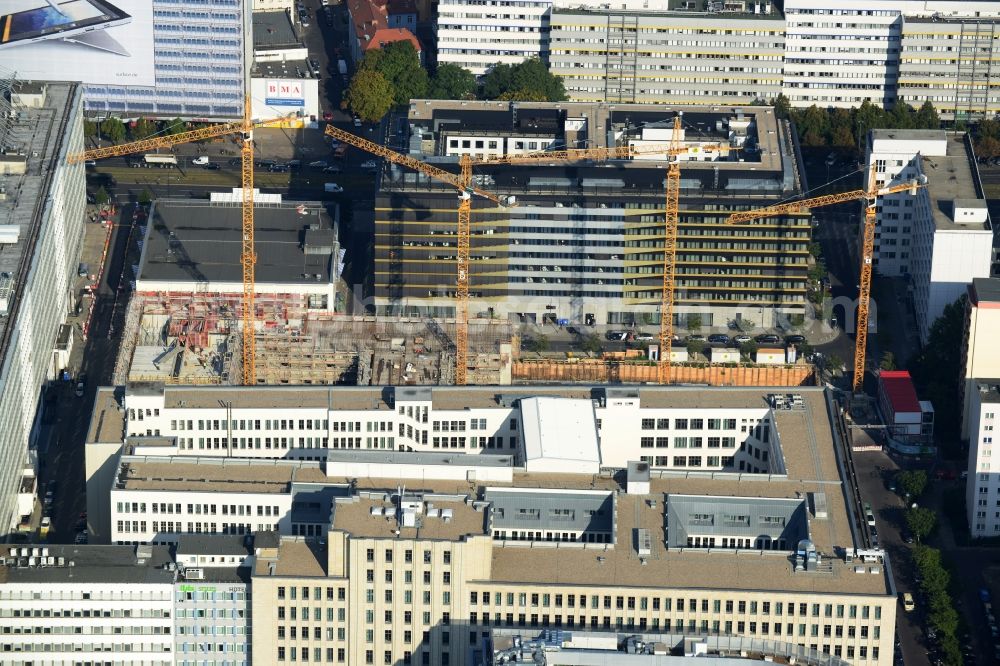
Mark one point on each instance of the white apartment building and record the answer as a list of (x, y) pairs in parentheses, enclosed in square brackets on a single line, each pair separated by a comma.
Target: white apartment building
[(669, 428), (89, 604), (980, 353), (982, 487), (940, 237), (43, 232), (477, 35)]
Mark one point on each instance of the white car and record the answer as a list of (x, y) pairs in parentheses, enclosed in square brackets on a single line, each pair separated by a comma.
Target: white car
[(201, 160), (333, 187)]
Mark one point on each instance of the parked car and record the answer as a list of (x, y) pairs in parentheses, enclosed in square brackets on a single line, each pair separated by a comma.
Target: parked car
[(327, 116), (81, 386), (332, 169), (616, 335), (319, 164), (642, 336), (767, 339), (695, 337), (795, 339), (211, 166), (908, 603), (333, 187), (741, 339), (369, 164), (278, 168), (357, 122), (719, 338)]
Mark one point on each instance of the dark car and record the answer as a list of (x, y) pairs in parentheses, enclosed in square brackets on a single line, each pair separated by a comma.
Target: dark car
[(212, 166), (616, 335), (294, 164), (768, 339), (278, 168), (795, 339), (265, 164), (719, 338)]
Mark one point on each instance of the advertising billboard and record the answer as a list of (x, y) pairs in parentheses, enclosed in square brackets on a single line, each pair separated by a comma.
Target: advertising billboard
[(284, 93), (97, 42)]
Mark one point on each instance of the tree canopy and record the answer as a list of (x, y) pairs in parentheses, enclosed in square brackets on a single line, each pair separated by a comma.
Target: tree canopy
[(936, 369), (113, 130), (399, 63), (911, 482), (370, 96), (452, 82), (528, 81), (847, 128)]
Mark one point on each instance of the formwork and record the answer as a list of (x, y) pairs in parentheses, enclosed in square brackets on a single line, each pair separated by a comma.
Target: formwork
[(613, 372)]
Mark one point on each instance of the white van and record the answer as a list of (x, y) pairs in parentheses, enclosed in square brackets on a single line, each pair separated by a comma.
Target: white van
[(201, 160)]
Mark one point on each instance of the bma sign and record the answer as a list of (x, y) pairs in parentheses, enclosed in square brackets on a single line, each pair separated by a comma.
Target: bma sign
[(285, 93)]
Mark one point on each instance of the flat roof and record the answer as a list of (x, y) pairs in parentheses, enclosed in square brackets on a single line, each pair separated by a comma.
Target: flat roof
[(417, 458), (296, 557), (286, 69), (90, 564), (273, 30), (355, 517), (989, 390), (107, 420), (985, 290), (222, 475), (898, 386), (560, 429), (213, 544), (953, 179), (38, 139), (200, 241)]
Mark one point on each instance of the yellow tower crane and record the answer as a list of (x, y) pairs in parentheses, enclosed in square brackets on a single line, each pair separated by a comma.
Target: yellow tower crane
[(672, 151), (870, 196), (463, 183), (248, 258)]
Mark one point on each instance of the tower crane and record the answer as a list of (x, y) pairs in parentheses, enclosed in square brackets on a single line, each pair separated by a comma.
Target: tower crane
[(248, 257), (870, 196), (673, 150), (463, 183)]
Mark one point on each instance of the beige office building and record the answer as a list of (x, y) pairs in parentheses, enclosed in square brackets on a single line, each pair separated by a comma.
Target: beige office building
[(421, 574)]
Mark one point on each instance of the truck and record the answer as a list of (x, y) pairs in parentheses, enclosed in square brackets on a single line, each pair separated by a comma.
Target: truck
[(163, 161), (342, 67)]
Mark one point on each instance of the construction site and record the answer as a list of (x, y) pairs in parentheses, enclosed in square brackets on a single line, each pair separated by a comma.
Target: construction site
[(196, 339)]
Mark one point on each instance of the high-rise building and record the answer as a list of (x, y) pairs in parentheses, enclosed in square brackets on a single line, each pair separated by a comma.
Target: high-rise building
[(584, 241), (42, 212), (982, 485), (939, 236), (980, 356), (833, 54)]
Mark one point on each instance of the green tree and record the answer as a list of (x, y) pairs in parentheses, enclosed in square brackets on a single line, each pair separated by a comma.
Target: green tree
[(175, 126), (921, 522), (695, 347), (748, 348), (817, 271), (539, 343), (143, 129), (834, 362), (934, 372), (888, 361), (452, 82), (101, 196), (527, 81), (927, 117), (369, 95), (782, 106), (89, 129), (591, 343), (113, 130), (866, 117), (693, 322), (987, 147), (399, 63), (911, 482), (145, 197)]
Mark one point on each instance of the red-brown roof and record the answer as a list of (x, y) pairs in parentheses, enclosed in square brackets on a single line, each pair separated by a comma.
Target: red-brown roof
[(898, 386), (371, 25)]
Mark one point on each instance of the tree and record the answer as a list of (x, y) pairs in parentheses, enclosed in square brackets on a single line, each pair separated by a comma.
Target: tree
[(695, 347), (921, 522), (369, 95), (452, 82), (538, 343), (927, 117), (89, 129), (175, 126), (399, 63), (782, 106), (987, 147), (693, 322), (934, 371), (101, 196), (113, 130), (748, 348), (145, 197), (143, 129), (834, 362), (888, 361), (591, 343), (526, 81), (912, 483)]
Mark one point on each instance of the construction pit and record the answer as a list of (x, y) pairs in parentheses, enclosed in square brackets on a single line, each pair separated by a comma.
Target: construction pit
[(204, 346)]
